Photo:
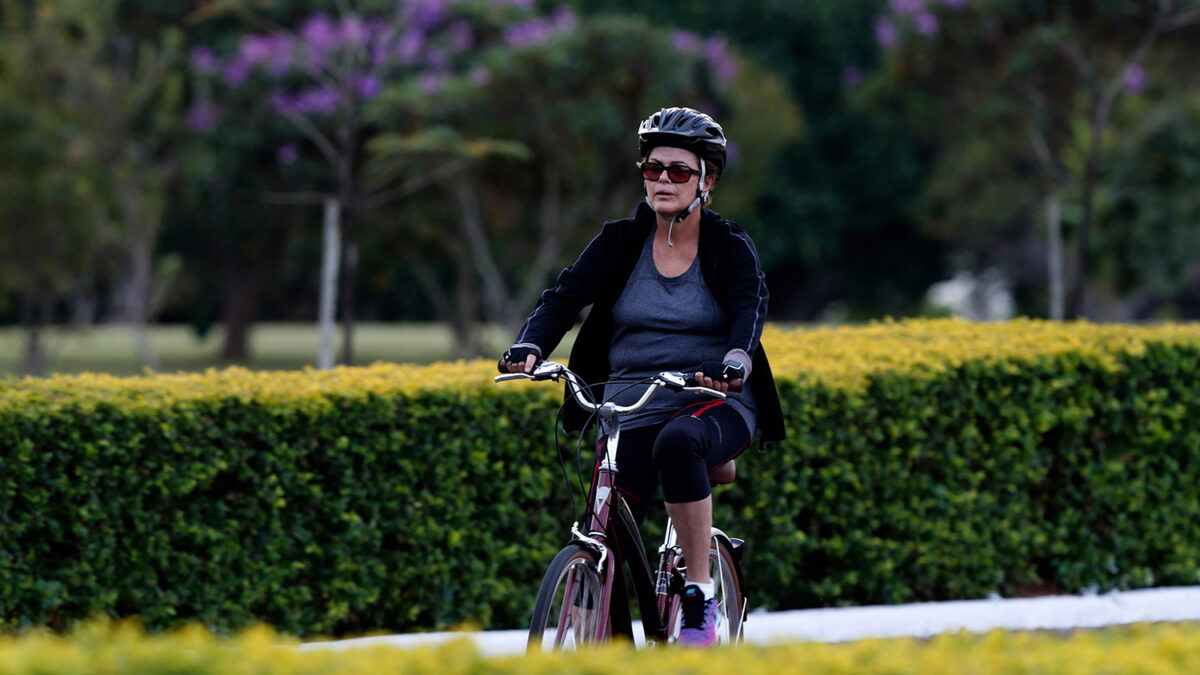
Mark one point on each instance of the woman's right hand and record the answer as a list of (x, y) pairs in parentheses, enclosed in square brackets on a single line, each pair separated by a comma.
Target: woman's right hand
[(518, 360)]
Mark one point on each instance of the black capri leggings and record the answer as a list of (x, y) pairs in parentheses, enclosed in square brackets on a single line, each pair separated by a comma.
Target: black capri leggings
[(678, 454)]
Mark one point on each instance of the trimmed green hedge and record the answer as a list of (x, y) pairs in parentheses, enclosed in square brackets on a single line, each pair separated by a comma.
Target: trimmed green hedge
[(1042, 476), (364, 500), (400, 512)]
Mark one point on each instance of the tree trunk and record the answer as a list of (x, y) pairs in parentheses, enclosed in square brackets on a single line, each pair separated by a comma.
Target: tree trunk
[(140, 218), (331, 257), (32, 321), (238, 311), (466, 315), (497, 301), (1055, 256), (349, 271), (346, 192)]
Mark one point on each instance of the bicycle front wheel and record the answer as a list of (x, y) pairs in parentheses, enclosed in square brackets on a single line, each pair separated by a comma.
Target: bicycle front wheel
[(567, 613)]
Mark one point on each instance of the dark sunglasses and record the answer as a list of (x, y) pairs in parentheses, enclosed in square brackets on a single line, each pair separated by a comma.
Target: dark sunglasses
[(677, 173)]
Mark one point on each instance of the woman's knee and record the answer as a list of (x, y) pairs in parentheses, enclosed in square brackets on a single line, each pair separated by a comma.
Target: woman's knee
[(682, 439)]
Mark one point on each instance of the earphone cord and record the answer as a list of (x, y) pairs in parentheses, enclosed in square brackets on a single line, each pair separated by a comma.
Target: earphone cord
[(701, 197)]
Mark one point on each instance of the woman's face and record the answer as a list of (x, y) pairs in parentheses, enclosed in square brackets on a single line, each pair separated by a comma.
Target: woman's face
[(665, 197)]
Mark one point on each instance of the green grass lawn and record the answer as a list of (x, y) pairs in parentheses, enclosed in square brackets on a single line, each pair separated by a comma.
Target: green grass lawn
[(273, 346)]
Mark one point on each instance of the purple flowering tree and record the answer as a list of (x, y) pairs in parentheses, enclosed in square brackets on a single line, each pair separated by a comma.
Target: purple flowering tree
[(1002, 86), (323, 77)]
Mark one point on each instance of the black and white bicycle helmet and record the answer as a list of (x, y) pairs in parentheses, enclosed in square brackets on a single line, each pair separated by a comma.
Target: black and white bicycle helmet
[(685, 128)]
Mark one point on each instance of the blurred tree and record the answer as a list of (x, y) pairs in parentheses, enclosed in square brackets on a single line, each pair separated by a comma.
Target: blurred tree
[(1020, 95), (128, 96), (46, 237), (1148, 216), (100, 106), (572, 92)]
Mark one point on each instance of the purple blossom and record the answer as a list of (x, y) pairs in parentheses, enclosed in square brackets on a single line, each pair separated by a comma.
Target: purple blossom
[(204, 61), (254, 49), (715, 48), (287, 154), (1134, 79), (906, 6), (202, 116), (410, 45), (380, 49), (726, 68), (526, 33), (481, 76), (353, 31), (427, 14), (732, 150), (319, 101), (686, 41), (564, 19), (235, 73), (852, 76), (926, 23), (460, 37), (283, 104), (885, 33), (378, 29), (430, 83), (536, 31), (280, 61), (273, 50), (320, 33), (716, 52), (368, 86)]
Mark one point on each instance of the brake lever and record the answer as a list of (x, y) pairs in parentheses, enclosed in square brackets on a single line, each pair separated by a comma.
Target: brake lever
[(542, 370), (512, 376)]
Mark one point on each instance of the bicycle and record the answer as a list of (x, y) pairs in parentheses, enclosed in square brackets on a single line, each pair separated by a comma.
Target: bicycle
[(583, 597)]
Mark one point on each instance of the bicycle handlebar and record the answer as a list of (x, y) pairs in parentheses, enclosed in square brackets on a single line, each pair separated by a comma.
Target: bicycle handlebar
[(553, 371)]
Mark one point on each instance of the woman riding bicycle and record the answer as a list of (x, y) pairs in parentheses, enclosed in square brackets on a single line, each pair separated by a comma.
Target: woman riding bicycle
[(674, 288)]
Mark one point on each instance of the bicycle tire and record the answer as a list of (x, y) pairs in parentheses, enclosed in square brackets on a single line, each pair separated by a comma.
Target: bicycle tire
[(565, 614), (725, 571)]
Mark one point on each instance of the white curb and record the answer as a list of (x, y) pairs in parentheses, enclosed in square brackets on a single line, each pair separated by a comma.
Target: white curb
[(921, 620)]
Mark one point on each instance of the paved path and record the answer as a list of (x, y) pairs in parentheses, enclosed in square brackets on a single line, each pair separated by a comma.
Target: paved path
[(843, 624)]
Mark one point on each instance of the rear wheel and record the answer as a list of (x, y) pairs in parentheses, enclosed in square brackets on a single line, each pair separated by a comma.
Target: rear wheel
[(727, 588), (567, 612)]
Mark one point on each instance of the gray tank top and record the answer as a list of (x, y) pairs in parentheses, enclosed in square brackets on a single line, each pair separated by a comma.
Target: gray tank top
[(667, 323)]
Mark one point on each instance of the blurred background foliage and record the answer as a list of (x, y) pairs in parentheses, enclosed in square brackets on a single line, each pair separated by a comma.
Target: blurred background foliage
[(167, 162)]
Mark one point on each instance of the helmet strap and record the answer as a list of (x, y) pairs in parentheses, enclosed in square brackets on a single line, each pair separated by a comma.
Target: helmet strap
[(701, 198)]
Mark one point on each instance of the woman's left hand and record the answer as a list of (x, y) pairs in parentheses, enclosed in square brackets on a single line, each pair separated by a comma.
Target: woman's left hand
[(712, 383)]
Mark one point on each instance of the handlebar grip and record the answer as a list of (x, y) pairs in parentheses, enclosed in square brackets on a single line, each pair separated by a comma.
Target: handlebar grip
[(691, 381)]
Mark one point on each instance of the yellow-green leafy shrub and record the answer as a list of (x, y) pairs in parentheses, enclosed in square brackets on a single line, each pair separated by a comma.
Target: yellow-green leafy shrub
[(936, 460), (925, 460), (98, 648)]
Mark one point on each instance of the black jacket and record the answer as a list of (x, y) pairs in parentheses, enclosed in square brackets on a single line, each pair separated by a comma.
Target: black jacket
[(729, 263)]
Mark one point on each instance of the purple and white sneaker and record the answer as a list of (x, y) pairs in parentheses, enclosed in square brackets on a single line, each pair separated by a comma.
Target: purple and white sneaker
[(699, 625)]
